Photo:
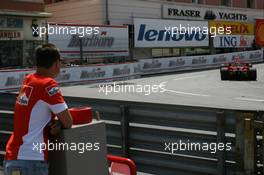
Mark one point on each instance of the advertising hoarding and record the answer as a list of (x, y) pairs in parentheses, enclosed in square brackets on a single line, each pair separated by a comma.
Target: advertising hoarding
[(155, 33), (236, 28), (260, 32), (107, 41), (233, 41)]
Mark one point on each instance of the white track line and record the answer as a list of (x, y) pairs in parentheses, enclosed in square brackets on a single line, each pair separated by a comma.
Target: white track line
[(182, 78), (186, 93), (249, 99)]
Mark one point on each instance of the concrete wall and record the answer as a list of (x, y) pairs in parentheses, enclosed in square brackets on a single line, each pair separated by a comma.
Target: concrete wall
[(213, 2), (30, 5), (37, 1), (260, 5), (80, 12), (123, 11), (239, 3)]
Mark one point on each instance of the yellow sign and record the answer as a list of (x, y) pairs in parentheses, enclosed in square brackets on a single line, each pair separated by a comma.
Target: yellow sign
[(233, 28), (15, 172)]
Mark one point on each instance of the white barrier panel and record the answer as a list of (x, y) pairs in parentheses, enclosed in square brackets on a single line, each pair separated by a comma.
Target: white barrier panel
[(150, 66), (12, 79), (93, 74)]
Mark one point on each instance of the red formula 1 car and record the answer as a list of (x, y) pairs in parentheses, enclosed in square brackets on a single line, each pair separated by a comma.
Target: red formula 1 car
[(238, 70)]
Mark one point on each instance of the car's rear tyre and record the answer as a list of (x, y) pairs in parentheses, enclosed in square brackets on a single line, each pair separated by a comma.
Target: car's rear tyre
[(252, 74), (224, 74)]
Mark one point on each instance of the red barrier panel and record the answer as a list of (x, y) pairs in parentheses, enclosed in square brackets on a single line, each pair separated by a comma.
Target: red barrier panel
[(122, 165), (81, 115)]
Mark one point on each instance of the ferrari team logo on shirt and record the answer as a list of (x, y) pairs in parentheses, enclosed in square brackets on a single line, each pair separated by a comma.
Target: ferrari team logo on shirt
[(24, 95), (52, 90)]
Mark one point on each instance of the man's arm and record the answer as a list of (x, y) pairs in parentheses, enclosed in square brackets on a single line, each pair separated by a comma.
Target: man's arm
[(62, 120), (57, 105), (65, 118)]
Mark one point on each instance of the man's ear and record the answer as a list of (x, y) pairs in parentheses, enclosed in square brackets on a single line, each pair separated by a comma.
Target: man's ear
[(56, 63), (54, 66)]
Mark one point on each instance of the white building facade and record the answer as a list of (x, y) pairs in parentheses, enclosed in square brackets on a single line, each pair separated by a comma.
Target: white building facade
[(154, 14)]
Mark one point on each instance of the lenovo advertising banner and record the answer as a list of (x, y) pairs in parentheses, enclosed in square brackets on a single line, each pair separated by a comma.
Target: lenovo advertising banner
[(96, 41), (170, 33), (260, 32)]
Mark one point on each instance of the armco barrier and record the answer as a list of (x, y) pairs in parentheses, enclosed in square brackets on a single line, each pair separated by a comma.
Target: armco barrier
[(140, 130), (161, 65), (12, 79)]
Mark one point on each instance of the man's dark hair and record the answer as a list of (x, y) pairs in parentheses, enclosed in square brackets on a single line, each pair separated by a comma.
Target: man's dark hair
[(46, 55)]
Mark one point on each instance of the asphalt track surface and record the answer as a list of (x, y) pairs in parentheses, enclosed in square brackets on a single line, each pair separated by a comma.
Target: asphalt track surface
[(200, 88)]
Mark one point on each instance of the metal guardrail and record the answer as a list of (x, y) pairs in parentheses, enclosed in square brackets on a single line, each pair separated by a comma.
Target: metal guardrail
[(139, 130)]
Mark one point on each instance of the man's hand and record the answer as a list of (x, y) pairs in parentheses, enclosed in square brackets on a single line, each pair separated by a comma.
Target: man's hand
[(55, 127)]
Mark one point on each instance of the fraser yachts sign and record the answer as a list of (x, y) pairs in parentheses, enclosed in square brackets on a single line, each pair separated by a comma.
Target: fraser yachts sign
[(184, 12)]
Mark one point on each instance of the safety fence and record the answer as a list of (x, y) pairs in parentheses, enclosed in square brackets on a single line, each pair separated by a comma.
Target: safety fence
[(153, 135), (12, 79)]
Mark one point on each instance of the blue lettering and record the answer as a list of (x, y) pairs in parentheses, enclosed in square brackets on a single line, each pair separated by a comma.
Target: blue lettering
[(197, 37), (163, 35), (189, 37), (168, 36), (175, 38), (149, 34), (228, 41), (141, 32)]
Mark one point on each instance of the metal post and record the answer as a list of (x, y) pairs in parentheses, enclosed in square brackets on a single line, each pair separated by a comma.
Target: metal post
[(81, 48), (107, 21), (125, 130), (240, 123), (262, 133), (249, 149), (221, 155)]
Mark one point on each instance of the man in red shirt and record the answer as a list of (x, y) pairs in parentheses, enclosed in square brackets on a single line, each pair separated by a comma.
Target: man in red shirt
[(39, 97)]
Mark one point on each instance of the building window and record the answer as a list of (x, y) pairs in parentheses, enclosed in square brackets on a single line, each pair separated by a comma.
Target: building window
[(156, 53), (250, 3), (196, 51), (226, 2), (165, 52), (198, 1), (11, 53)]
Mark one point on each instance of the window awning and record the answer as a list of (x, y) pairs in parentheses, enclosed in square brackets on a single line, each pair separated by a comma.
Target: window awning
[(25, 14)]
